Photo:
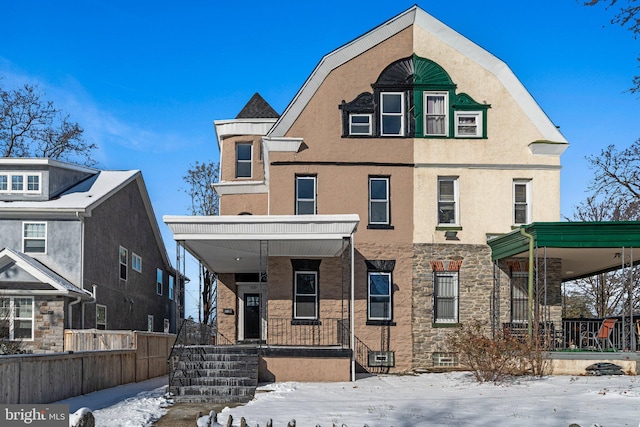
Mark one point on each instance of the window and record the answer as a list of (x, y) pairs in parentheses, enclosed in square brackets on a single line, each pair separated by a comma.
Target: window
[(16, 318), (379, 296), (20, 183), (101, 316), (445, 296), (136, 262), (306, 295), (447, 200), (150, 323), (243, 160), (392, 114), (34, 237), (159, 281), (521, 201), (306, 195), (519, 297), (124, 255), (360, 124), (171, 288), (468, 124), (166, 326), (379, 200), (436, 107)]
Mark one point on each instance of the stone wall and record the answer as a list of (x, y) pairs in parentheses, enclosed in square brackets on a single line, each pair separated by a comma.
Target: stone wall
[(48, 328)]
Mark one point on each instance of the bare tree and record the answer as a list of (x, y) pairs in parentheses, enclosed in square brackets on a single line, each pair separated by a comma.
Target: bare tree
[(626, 15), (204, 201), (31, 126)]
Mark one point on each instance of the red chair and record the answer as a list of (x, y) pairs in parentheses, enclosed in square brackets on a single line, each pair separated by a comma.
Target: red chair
[(603, 334)]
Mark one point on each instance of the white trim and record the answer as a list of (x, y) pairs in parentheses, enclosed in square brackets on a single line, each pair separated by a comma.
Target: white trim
[(150, 322), (244, 161), (136, 257), (252, 288), (387, 200), (369, 123), (444, 94), (240, 187), (306, 200), (381, 273), (105, 315), (224, 128), (456, 199), (159, 281), (477, 115), (125, 263), (456, 306), (25, 238), (12, 319), (399, 114), (527, 184), (315, 295)]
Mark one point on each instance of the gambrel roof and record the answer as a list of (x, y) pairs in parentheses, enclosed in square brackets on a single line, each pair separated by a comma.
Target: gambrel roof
[(417, 17)]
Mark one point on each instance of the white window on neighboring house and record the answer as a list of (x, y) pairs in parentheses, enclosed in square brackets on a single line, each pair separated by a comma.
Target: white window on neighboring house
[(171, 288), (150, 323), (379, 207), (136, 262), (124, 260), (244, 156), (101, 316), (34, 237), (166, 326), (306, 195), (306, 295), (159, 280), (360, 124), (468, 124), (379, 296), (16, 318), (521, 201), (436, 109), (445, 296), (391, 113), (448, 200)]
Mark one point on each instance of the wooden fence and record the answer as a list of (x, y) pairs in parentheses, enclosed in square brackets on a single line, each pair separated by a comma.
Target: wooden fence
[(46, 378)]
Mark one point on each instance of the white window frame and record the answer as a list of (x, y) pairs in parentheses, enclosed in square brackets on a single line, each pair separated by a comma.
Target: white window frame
[(368, 124), (392, 114), (24, 183), (12, 317), (123, 263), (306, 200), (136, 262), (389, 316), (527, 202), (445, 95), (150, 323), (6, 183), (159, 281), (244, 161), (386, 200), (166, 325), (455, 201), (296, 295), (455, 297), (172, 287), (98, 324), (477, 115), (26, 238)]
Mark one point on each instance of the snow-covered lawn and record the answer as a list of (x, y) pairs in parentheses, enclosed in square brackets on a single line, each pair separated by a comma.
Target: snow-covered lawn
[(449, 399)]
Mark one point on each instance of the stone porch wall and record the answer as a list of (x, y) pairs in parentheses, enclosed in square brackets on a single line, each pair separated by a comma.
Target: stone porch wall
[(48, 328)]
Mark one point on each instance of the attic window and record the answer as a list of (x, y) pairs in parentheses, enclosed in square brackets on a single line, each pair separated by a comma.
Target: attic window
[(20, 183)]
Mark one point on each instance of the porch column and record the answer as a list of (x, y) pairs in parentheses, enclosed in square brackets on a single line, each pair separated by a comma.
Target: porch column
[(352, 311)]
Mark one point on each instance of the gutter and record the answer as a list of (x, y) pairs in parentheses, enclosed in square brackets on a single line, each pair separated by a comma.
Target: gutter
[(529, 282)]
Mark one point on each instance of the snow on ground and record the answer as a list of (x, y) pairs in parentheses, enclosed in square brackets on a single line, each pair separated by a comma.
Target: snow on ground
[(400, 401)]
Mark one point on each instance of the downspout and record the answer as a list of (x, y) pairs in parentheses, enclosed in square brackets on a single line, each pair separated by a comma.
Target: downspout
[(69, 312), (529, 282), (353, 322)]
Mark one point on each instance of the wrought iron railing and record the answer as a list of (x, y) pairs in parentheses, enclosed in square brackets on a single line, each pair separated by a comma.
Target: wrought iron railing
[(292, 332)]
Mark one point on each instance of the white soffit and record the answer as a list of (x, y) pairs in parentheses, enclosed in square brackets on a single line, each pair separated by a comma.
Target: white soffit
[(242, 127), (240, 187), (447, 35)]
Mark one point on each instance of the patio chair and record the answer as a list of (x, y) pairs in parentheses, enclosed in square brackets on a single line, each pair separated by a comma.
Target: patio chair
[(603, 334)]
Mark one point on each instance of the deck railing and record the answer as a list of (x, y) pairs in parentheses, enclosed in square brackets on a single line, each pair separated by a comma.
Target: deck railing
[(322, 332)]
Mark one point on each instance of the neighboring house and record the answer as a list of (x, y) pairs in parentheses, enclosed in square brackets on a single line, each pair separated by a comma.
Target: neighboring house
[(79, 248), (360, 217)]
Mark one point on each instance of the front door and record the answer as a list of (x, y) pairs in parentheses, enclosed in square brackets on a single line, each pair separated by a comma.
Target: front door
[(251, 316)]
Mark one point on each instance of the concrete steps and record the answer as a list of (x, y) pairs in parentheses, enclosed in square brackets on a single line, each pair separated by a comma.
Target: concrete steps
[(215, 374)]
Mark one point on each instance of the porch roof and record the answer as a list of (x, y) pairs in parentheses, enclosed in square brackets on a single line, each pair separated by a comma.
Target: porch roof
[(585, 248), (232, 243)]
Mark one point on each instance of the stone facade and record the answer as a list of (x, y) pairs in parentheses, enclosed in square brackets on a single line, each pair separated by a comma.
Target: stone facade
[(48, 328)]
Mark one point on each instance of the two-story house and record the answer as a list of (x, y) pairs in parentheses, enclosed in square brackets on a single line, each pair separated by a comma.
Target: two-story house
[(79, 248), (359, 218)]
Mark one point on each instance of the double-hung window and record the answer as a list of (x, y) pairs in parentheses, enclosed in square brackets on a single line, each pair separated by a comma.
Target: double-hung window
[(306, 295), (360, 124), (519, 297), (445, 296), (159, 280), (34, 237), (136, 262), (448, 201), (243, 160), (521, 201), (171, 288), (436, 108), (16, 318), (101, 316), (306, 195), (123, 255), (379, 201), (392, 114), (468, 124), (379, 296)]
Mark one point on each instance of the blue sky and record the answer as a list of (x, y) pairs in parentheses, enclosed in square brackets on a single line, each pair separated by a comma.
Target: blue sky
[(146, 79)]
